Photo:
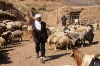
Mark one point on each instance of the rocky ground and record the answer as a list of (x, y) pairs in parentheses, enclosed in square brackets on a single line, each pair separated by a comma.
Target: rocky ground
[(23, 54)]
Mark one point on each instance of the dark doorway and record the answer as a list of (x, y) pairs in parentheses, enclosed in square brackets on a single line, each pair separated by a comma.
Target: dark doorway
[(73, 16)]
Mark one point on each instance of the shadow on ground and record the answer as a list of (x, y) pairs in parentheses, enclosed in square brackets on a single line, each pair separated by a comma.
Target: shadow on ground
[(53, 57), (4, 59), (93, 43)]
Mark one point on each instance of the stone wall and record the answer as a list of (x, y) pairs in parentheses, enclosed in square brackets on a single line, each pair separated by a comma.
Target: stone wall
[(91, 13)]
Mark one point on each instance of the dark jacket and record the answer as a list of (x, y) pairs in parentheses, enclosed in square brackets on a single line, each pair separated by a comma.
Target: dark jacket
[(37, 34), (64, 20)]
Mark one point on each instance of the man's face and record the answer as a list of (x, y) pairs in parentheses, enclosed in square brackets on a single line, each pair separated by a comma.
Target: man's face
[(38, 19)]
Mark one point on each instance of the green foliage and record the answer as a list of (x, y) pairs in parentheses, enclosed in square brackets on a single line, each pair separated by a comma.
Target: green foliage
[(23, 8)]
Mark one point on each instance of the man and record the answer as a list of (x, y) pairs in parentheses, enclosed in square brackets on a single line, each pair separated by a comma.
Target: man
[(63, 21), (39, 36), (76, 22)]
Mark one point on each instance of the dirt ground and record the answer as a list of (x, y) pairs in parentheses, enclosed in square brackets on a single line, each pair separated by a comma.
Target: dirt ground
[(23, 54)]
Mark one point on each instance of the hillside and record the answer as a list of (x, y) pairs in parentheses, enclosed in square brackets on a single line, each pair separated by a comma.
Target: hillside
[(38, 5), (24, 10)]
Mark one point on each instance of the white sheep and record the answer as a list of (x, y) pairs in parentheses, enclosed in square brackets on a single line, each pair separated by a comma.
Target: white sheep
[(96, 26), (9, 27), (64, 41), (10, 23), (2, 42), (29, 29), (56, 39), (24, 27), (52, 38)]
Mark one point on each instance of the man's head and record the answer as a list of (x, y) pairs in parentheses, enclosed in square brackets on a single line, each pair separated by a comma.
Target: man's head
[(63, 15), (38, 17)]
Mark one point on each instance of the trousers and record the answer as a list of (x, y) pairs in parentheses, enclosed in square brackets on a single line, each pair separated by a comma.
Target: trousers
[(40, 46)]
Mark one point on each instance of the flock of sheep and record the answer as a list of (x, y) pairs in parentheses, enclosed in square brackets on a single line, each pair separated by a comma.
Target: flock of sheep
[(7, 14), (71, 35), (11, 31)]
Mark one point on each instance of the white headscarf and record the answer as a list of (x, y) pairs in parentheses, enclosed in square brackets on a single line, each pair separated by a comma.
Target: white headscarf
[(38, 15), (37, 23)]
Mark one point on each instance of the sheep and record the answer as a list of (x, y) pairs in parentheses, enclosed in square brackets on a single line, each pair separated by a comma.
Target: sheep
[(55, 40), (24, 27), (87, 32), (10, 23), (17, 25), (85, 59), (55, 29), (96, 26), (2, 42), (11, 38), (3, 26), (78, 27), (51, 37), (5, 21), (29, 29), (64, 41), (54, 35), (9, 27), (17, 33), (51, 29), (49, 40), (5, 35), (60, 39)]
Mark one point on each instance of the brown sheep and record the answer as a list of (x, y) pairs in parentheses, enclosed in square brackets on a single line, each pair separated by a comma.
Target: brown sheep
[(85, 59), (6, 35)]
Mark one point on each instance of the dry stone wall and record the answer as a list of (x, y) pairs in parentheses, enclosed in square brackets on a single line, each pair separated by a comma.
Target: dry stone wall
[(88, 14)]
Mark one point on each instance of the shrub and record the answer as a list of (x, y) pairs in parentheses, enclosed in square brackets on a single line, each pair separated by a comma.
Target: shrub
[(42, 8)]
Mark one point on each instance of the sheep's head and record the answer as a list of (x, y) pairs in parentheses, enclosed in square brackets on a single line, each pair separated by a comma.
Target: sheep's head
[(9, 33)]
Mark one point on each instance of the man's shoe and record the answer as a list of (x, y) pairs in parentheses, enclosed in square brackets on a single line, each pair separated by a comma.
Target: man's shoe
[(42, 61)]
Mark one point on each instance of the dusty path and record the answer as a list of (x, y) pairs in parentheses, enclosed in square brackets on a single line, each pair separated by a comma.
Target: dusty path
[(23, 54)]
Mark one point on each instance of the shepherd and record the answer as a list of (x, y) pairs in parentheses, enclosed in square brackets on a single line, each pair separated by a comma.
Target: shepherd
[(63, 20), (40, 36)]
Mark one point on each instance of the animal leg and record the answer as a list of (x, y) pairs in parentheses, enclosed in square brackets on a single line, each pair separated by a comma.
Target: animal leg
[(55, 47), (82, 43), (67, 46)]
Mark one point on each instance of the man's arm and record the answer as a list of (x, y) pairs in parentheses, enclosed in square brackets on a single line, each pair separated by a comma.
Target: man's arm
[(46, 31)]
